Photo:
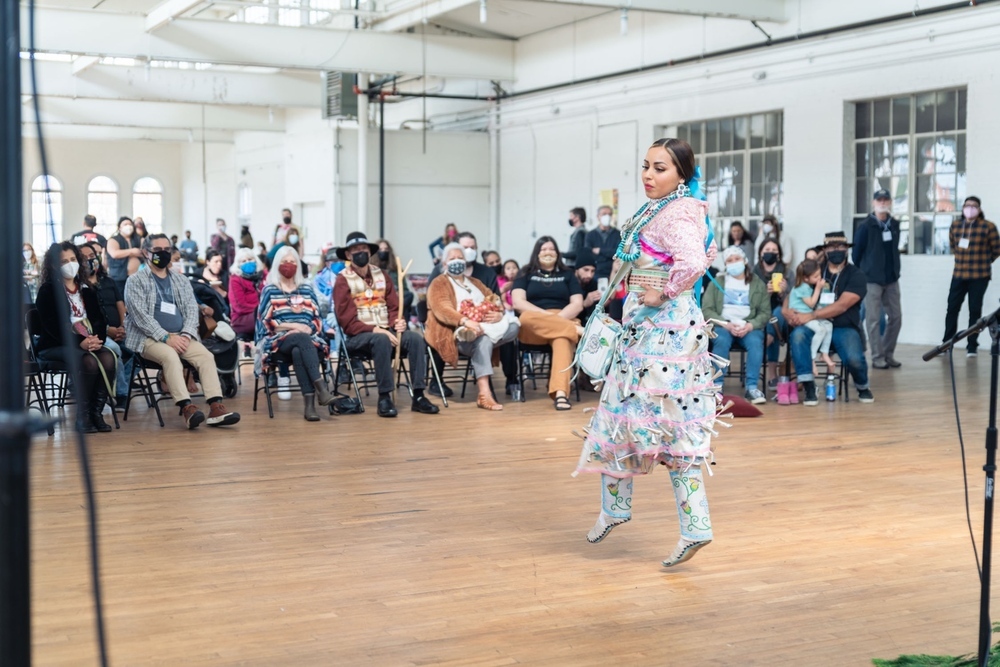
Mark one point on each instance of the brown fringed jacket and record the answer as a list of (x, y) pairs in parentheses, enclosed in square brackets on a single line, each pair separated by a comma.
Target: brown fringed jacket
[(443, 316)]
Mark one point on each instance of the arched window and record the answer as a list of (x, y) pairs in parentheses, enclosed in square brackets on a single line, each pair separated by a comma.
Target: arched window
[(46, 206), (102, 203), (147, 203), (245, 203)]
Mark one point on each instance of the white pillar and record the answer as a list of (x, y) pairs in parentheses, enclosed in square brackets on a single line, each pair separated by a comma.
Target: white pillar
[(362, 225), (495, 178)]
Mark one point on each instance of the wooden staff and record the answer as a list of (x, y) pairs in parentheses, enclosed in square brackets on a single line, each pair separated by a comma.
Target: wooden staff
[(399, 346)]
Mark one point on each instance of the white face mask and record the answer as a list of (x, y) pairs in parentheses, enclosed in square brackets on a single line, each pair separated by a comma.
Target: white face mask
[(604, 220), (69, 270), (470, 255), (882, 208), (222, 229), (767, 228), (293, 239), (127, 230), (27, 255)]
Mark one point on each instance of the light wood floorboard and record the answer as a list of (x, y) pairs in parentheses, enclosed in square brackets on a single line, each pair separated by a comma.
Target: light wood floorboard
[(459, 539)]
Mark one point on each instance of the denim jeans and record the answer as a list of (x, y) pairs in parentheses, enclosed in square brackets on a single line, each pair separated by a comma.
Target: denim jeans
[(753, 343), (848, 345), (774, 349), (124, 369)]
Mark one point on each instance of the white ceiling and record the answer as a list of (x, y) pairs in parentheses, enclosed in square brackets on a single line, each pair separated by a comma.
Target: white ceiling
[(515, 19)]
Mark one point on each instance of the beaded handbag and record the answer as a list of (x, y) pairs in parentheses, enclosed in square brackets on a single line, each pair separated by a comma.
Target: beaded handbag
[(597, 347)]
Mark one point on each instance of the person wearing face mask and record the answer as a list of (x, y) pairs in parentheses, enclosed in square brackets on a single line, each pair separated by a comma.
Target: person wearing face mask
[(454, 326), (225, 245), (436, 246), (31, 269), (290, 330), (161, 324), (770, 229), (975, 245), (577, 238), (64, 278), (548, 299), (740, 315), (367, 307), (771, 269), (281, 229), (245, 281), (491, 258), (113, 306), (876, 252), (289, 236), (124, 252), (385, 259), (189, 252), (603, 241), (842, 305)]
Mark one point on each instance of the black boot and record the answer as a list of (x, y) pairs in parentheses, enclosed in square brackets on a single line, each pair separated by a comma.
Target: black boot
[(97, 407), (323, 395), (310, 411)]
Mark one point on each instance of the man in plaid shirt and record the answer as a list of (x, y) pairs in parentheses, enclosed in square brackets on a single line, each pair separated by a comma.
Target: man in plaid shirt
[(975, 245)]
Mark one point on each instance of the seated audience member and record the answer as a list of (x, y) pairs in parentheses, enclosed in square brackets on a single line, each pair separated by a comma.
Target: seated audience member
[(849, 285), (262, 254), (772, 270), (548, 298), (385, 259), (112, 304), (289, 328), (367, 308), (817, 253), (31, 269), (161, 324), (805, 298), (584, 272), (245, 282), (491, 258), (289, 237), (213, 273), (739, 237), (740, 315), (88, 331), (505, 281), (460, 307), (436, 246), (325, 279), (246, 238), (771, 229)]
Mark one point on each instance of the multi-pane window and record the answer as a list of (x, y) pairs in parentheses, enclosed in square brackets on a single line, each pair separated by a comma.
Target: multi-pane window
[(147, 203), (102, 203), (46, 207), (914, 147), (741, 164), (245, 203)]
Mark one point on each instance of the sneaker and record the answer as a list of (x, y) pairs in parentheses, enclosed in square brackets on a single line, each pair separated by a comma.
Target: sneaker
[(755, 396), (218, 415), (433, 390), (881, 365), (866, 396), (193, 417), (284, 393), (810, 389), (971, 354), (422, 405), (772, 383), (893, 363)]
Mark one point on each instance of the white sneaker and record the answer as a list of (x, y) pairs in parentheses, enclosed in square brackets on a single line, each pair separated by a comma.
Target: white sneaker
[(283, 392), (971, 354)]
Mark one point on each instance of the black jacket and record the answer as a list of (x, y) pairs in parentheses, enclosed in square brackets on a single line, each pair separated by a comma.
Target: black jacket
[(577, 246), (877, 258), (49, 313), (606, 254)]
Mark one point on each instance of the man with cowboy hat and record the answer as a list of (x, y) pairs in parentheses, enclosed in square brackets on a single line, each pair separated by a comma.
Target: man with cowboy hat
[(842, 305), (367, 307)]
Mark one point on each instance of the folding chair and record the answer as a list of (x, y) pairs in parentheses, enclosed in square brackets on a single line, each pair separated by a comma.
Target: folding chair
[(541, 367)]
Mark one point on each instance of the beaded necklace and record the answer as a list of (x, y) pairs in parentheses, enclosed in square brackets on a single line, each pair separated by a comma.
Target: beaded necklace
[(642, 218)]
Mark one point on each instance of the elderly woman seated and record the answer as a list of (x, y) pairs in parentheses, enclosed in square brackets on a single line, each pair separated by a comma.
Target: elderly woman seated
[(289, 328), (464, 316), (549, 299)]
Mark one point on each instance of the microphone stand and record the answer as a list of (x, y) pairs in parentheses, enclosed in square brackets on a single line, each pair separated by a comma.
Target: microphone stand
[(991, 322)]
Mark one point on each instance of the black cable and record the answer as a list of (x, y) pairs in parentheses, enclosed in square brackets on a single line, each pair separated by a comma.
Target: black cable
[(965, 474), (72, 361)]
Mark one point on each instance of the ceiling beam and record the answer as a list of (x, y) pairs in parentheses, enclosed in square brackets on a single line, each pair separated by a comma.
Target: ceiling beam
[(407, 18), (160, 84), (162, 115), (749, 10), (167, 11), (106, 133), (79, 64), (96, 33)]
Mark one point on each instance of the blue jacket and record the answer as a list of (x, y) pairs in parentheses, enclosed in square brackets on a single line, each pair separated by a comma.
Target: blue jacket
[(877, 258)]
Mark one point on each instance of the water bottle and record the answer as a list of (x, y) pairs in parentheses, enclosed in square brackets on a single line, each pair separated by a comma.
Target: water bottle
[(831, 387)]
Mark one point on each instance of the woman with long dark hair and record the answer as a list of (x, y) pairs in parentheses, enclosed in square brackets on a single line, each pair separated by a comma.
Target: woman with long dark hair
[(659, 401), (124, 252), (548, 298), (64, 277)]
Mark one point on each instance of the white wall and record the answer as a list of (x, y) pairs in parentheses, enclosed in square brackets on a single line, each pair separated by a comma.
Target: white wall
[(552, 156), (76, 162), (208, 172)]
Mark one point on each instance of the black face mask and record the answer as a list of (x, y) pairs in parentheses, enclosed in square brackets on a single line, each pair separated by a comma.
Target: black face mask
[(93, 264), (769, 257), (360, 259), (499, 269), (383, 255), (836, 257), (160, 258), (571, 222), (287, 221)]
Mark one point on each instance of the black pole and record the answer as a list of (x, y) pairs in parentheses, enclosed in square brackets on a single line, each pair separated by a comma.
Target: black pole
[(15, 579), (381, 166), (990, 470)]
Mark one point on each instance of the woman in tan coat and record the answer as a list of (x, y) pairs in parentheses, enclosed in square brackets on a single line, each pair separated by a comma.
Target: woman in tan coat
[(466, 317)]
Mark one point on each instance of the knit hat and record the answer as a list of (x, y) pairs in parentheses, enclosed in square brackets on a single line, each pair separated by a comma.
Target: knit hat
[(734, 251)]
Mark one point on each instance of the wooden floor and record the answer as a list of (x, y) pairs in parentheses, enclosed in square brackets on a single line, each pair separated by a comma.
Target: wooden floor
[(459, 539)]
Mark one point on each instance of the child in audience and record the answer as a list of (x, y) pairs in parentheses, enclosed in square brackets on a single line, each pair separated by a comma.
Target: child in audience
[(506, 281), (805, 298)]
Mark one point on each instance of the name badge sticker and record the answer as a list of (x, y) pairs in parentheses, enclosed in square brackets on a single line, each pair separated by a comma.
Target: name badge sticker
[(827, 298), (168, 308), (963, 244), (887, 236)]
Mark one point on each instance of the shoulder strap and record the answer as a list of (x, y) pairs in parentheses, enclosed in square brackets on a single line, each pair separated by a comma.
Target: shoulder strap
[(613, 283)]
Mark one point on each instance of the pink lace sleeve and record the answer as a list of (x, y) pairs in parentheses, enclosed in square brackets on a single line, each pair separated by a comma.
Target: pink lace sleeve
[(680, 231)]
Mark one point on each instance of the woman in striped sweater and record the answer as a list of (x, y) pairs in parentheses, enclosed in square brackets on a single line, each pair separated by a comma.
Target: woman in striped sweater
[(289, 328)]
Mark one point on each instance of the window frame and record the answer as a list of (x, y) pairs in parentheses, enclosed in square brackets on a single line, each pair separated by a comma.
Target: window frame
[(55, 203), (151, 227), (110, 228)]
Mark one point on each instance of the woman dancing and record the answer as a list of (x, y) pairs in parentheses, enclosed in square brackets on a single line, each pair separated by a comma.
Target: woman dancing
[(659, 401)]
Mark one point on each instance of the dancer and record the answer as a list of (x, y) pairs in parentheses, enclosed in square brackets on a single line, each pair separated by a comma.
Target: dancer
[(659, 400)]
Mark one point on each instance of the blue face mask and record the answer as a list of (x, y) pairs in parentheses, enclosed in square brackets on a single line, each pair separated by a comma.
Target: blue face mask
[(736, 269), (248, 268)]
